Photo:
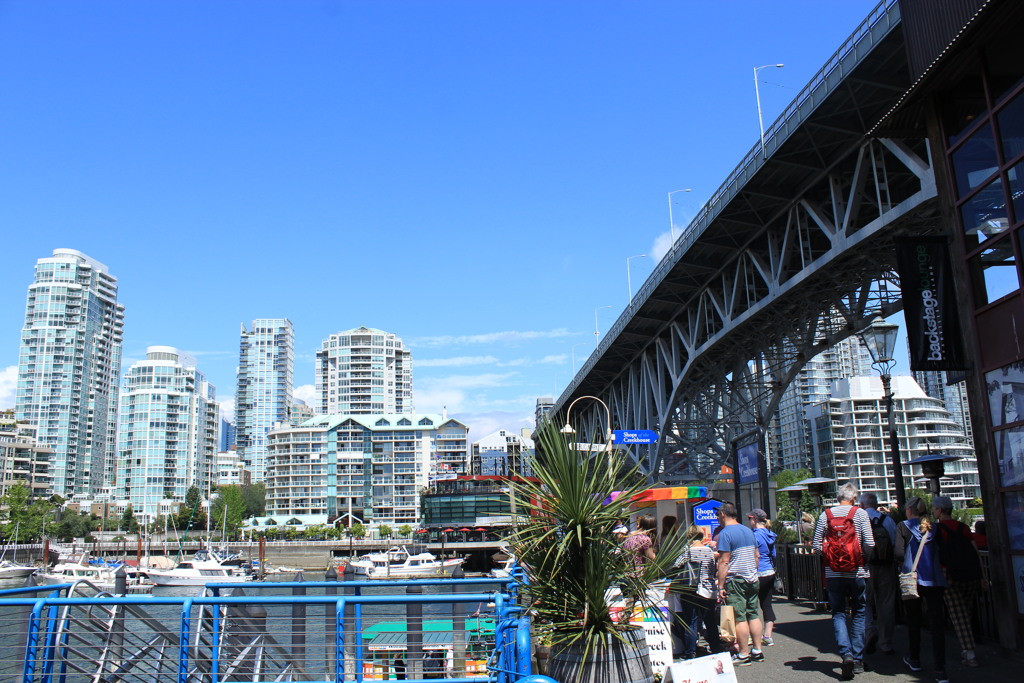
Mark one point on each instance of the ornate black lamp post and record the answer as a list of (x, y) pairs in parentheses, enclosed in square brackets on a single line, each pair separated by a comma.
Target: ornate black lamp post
[(880, 338)]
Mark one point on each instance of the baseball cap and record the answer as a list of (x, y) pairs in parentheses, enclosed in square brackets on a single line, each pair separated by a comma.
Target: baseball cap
[(758, 514)]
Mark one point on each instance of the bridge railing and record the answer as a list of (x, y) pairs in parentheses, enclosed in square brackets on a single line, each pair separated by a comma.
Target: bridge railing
[(882, 18), (304, 631)]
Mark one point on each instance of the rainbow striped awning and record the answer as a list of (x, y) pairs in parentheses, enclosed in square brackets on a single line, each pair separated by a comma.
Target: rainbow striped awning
[(676, 493)]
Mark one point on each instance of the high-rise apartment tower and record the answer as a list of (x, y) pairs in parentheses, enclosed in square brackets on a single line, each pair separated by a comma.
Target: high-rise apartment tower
[(68, 368), (264, 394), (168, 433), (364, 372)]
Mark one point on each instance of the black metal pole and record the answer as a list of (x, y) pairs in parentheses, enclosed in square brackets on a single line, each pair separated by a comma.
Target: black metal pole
[(894, 442), (762, 471), (736, 476)]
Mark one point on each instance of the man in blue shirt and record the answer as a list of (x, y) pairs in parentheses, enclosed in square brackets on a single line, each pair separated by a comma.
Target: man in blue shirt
[(881, 614), (738, 582)]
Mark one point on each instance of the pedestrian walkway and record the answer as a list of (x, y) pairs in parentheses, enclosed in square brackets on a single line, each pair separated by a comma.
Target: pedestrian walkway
[(805, 651)]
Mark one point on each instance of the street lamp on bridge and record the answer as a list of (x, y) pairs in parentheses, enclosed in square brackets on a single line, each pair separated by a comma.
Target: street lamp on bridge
[(880, 338), (757, 93), (629, 282), (568, 428), (671, 222)]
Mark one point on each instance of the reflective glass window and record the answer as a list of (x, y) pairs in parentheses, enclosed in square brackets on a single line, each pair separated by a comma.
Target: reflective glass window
[(1005, 388), (984, 214), (974, 161), (994, 273), (1013, 504), (1011, 127), (1016, 177)]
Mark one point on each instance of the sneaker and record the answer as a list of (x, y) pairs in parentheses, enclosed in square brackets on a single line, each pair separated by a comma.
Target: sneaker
[(847, 670), (969, 658), (858, 666), (941, 677), (741, 661), (756, 656), (767, 640), (912, 664)]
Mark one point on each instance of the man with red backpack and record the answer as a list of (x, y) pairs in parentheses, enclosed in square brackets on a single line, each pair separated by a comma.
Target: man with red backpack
[(843, 536)]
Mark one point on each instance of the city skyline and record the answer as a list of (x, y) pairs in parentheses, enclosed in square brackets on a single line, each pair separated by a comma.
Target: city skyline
[(466, 163)]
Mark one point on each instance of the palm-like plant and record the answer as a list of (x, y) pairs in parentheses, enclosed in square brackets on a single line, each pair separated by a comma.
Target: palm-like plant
[(564, 541)]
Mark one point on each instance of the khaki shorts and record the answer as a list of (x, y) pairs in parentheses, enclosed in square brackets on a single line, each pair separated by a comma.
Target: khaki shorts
[(742, 596)]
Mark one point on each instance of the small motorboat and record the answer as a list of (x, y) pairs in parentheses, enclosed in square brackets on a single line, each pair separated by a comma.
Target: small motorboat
[(399, 563), (206, 566), (101, 575)]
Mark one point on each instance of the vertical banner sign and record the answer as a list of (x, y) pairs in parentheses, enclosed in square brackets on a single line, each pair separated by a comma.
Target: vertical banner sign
[(929, 304), (746, 463)]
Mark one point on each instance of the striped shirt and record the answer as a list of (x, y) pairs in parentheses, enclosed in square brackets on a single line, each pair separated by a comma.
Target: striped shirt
[(862, 524), (739, 542), (706, 557)]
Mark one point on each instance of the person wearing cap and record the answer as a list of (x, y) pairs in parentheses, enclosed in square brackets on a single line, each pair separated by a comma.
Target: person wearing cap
[(765, 538)]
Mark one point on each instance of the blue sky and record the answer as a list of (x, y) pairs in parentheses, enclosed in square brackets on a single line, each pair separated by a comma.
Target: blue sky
[(470, 175)]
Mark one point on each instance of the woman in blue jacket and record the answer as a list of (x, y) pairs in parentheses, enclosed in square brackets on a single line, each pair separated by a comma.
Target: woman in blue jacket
[(931, 586), (765, 538)]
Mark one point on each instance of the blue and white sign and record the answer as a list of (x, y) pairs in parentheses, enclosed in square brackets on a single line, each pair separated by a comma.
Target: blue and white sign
[(746, 461), (634, 436), (704, 514)]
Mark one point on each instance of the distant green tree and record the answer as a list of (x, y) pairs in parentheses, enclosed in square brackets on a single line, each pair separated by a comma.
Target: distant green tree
[(128, 521), (384, 531), (28, 516), (191, 514), (316, 532), (405, 530), (72, 526), (783, 501), (357, 530), (232, 502), (255, 496)]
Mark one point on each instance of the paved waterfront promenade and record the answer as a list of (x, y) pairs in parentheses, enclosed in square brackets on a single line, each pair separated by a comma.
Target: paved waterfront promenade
[(805, 651)]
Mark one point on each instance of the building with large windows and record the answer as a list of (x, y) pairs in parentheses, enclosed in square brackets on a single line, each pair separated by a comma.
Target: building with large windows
[(502, 453), (364, 372), (851, 438), (263, 397), (359, 468), (848, 358), (68, 368), (167, 433)]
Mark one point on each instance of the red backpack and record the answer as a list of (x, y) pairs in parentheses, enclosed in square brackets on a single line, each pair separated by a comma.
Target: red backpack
[(841, 546)]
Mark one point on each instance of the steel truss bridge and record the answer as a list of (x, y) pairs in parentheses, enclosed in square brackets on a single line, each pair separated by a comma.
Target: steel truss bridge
[(792, 254)]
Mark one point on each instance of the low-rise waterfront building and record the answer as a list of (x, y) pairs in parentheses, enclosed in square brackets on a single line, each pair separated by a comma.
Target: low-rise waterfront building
[(502, 453), (359, 468), (22, 459)]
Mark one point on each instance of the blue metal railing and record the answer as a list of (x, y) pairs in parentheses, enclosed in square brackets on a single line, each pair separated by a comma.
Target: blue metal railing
[(217, 637)]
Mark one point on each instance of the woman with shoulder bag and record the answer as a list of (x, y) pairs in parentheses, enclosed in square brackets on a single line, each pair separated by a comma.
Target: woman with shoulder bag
[(692, 594), (916, 552), (766, 575)]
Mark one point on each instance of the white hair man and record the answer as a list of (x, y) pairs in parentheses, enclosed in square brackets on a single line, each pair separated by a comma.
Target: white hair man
[(843, 535)]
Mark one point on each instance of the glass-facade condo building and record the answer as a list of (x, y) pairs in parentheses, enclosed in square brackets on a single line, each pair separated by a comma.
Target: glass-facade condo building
[(364, 372), (263, 397), (68, 368), (167, 433)]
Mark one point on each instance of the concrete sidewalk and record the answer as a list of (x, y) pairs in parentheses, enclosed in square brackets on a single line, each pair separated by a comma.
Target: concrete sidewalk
[(805, 651)]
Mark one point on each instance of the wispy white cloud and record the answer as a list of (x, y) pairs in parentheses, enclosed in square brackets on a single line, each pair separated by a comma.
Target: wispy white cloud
[(227, 408), (661, 246), (8, 386), (506, 337), (306, 393), (457, 362), (456, 392)]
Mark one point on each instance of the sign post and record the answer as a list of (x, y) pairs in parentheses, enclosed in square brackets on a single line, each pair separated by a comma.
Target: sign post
[(634, 436)]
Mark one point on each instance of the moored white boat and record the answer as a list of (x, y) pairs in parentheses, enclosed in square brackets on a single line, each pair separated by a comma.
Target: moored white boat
[(102, 576), (13, 570), (206, 566), (399, 563)]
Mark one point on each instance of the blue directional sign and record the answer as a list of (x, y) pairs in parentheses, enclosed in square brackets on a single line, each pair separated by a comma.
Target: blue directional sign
[(704, 514), (746, 458), (634, 436)]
